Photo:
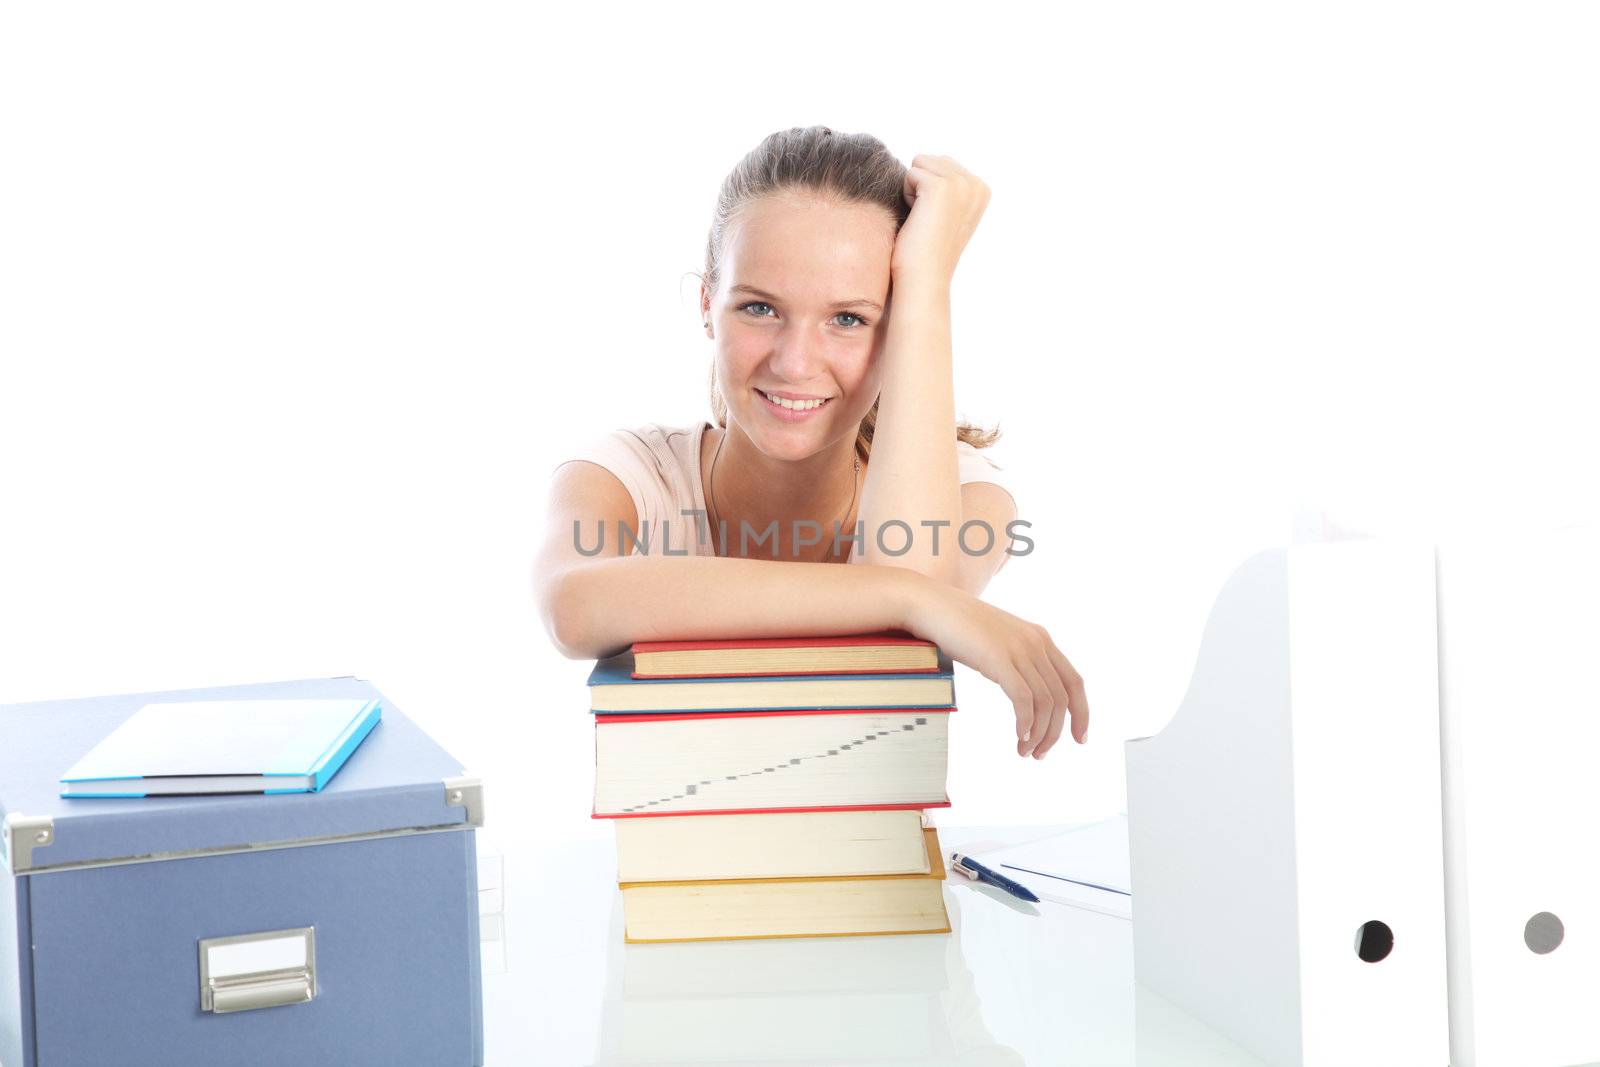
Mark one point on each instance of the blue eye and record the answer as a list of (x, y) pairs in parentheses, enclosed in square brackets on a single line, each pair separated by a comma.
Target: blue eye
[(760, 309)]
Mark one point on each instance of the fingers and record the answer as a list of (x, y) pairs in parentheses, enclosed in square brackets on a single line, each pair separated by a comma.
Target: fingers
[(1079, 703), (1058, 696), (943, 166), (1077, 697), (1045, 690), (926, 167), (915, 176), (1057, 722), (1020, 693), (1044, 707)]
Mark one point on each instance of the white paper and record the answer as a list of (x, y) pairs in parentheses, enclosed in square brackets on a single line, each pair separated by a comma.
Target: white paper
[(1053, 867)]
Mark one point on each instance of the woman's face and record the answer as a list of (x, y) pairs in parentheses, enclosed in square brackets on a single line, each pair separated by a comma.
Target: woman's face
[(798, 312)]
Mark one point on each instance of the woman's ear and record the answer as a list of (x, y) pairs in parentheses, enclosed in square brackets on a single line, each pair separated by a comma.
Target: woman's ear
[(705, 309)]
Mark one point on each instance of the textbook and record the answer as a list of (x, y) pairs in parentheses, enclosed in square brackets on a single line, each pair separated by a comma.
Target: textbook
[(722, 762), (788, 844), (888, 652), (774, 787), (223, 746), (613, 689), (789, 907)]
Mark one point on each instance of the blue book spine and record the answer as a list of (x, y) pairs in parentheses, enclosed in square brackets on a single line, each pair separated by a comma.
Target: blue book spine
[(330, 761)]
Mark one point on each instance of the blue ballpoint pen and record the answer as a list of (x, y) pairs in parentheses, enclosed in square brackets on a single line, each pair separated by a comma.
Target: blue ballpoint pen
[(979, 873)]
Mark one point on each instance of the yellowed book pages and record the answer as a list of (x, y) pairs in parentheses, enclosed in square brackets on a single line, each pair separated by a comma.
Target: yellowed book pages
[(789, 907), (787, 844), (686, 764)]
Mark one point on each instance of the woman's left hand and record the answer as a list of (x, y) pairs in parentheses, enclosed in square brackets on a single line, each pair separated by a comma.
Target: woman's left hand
[(947, 200)]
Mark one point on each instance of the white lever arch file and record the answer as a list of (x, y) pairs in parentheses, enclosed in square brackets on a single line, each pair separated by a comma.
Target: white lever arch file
[(1519, 635), (1287, 867)]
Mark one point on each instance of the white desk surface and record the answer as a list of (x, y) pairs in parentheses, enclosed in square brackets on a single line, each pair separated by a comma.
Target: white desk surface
[(1013, 983)]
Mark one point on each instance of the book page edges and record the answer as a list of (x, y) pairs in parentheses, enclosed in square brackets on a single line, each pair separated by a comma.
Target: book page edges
[(945, 803), (945, 929), (930, 841)]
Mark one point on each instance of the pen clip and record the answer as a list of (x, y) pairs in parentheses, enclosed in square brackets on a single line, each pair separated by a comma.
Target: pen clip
[(958, 863)]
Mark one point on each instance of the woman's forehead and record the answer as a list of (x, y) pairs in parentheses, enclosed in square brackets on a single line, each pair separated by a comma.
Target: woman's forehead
[(797, 243)]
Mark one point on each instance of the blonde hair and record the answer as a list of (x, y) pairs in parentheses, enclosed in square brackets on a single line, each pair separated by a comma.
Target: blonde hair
[(853, 166)]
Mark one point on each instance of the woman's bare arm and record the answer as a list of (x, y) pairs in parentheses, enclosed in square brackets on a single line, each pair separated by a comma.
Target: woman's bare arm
[(914, 476), (594, 606)]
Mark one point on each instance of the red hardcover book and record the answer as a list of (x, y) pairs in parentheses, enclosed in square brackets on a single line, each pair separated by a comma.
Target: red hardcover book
[(839, 759), (884, 652)]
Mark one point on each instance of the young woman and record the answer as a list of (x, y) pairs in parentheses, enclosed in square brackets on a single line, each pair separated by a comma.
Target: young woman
[(826, 295)]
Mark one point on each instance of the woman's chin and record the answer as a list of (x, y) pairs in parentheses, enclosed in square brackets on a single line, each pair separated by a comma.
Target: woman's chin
[(785, 441)]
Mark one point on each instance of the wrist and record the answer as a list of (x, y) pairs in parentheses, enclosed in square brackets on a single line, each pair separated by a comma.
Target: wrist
[(919, 284), (909, 594)]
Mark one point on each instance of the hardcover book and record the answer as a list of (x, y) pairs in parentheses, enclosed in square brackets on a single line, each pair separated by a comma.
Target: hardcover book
[(887, 652), (789, 907), (770, 761), (613, 689), (788, 844)]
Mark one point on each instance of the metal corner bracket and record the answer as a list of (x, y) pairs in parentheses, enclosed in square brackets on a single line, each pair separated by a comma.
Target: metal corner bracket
[(466, 792), (20, 835)]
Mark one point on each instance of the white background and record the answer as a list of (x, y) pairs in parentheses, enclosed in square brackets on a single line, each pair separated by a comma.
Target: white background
[(301, 302)]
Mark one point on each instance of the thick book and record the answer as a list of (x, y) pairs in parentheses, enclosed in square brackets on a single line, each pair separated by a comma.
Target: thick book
[(614, 690), (784, 970), (789, 907), (186, 748), (887, 652), (837, 759), (786, 844)]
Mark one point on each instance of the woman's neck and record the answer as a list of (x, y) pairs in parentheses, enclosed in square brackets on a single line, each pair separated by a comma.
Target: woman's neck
[(746, 486)]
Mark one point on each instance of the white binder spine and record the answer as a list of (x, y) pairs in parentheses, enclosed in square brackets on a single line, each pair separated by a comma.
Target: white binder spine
[(1519, 632), (1294, 799)]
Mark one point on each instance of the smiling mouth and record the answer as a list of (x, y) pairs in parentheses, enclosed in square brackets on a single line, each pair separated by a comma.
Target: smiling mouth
[(795, 405)]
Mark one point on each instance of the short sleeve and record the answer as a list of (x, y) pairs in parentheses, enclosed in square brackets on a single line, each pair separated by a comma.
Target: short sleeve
[(628, 458), (973, 466)]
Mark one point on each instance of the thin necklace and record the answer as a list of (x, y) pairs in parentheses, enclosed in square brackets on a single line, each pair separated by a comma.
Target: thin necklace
[(716, 516)]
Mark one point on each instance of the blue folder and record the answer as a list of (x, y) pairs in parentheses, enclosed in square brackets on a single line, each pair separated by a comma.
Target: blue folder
[(203, 747)]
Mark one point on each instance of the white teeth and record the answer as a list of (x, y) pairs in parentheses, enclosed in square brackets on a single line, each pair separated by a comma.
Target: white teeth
[(794, 405)]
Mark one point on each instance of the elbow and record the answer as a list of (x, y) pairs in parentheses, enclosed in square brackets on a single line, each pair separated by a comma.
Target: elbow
[(561, 609)]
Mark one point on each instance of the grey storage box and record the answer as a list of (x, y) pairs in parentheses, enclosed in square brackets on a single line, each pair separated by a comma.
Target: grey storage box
[(338, 927)]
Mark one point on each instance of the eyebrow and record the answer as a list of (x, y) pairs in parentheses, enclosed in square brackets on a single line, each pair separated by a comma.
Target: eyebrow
[(753, 291)]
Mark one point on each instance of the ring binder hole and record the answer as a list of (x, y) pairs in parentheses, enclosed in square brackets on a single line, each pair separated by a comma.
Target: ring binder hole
[(1543, 933), (1374, 941)]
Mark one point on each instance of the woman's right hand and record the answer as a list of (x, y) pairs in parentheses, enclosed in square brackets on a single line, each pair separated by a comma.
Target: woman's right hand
[(1015, 654)]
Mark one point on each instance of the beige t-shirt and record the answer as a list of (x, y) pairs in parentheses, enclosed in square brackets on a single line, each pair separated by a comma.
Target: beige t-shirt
[(660, 467)]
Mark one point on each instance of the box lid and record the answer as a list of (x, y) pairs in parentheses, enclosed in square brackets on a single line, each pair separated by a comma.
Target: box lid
[(398, 781)]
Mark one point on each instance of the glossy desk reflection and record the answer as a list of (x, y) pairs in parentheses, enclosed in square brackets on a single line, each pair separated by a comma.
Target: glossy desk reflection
[(1012, 984), (831, 1000)]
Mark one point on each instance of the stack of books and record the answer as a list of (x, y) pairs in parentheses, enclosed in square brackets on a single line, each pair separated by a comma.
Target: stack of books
[(775, 787)]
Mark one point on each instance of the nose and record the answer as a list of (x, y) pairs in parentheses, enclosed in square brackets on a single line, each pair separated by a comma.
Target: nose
[(798, 354)]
